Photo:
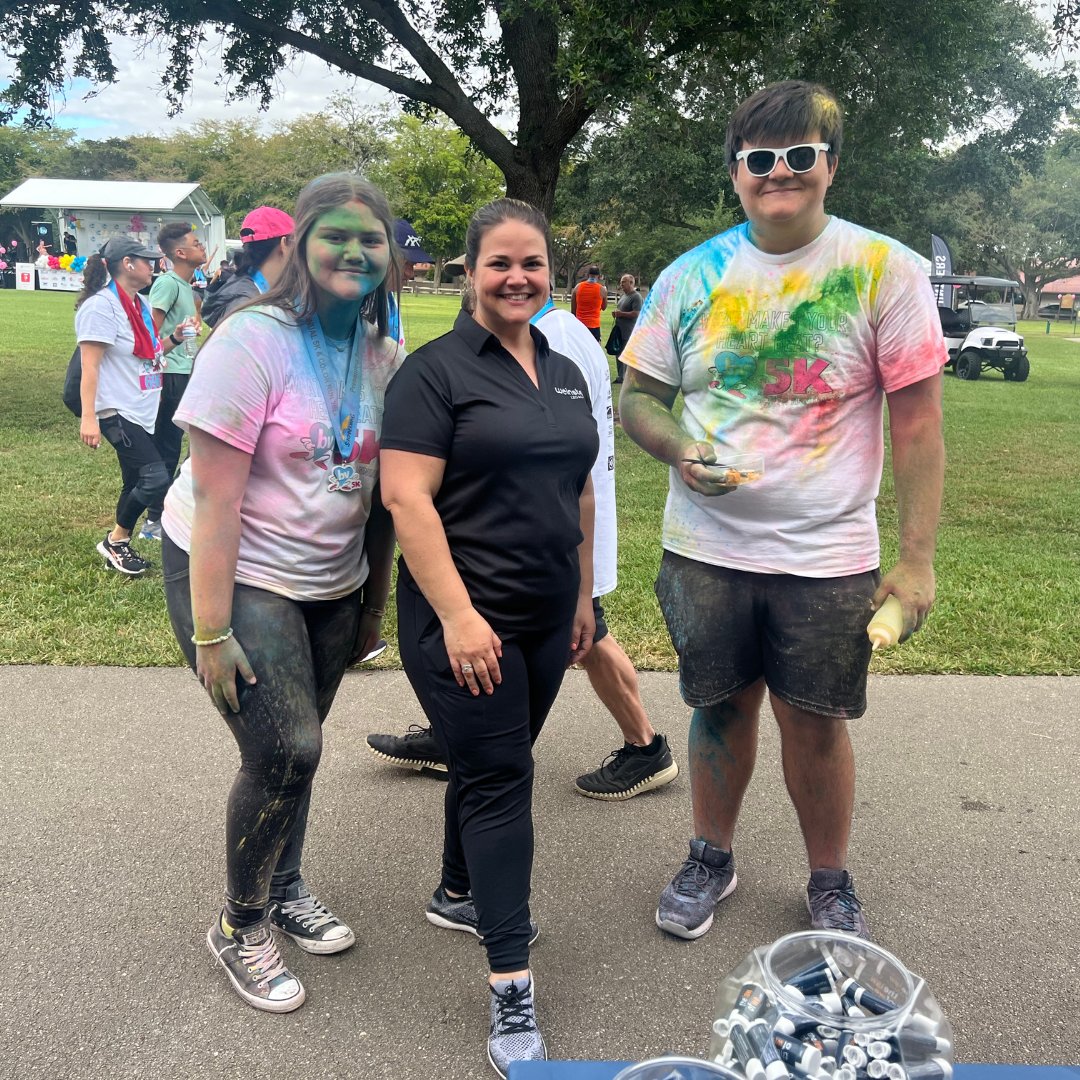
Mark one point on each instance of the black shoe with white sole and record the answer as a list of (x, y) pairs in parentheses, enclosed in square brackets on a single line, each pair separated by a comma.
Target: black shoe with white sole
[(416, 749), (459, 913), (253, 962), (629, 771)]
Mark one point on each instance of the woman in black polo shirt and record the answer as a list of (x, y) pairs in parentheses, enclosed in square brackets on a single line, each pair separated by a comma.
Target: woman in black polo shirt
[(487, 444)]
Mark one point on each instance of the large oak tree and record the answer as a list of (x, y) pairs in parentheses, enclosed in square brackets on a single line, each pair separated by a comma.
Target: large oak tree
[(555, 63)]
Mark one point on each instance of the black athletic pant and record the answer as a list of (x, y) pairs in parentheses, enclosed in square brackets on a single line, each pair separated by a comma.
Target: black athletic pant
[(488, 840), (299, 651), (144, 477), (167, 436)]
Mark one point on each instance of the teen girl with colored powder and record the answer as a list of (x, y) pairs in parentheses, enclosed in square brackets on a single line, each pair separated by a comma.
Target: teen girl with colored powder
[(277, 553), (489, 440)]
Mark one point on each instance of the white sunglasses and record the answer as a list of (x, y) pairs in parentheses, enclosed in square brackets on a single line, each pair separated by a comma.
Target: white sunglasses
[(800, 158)]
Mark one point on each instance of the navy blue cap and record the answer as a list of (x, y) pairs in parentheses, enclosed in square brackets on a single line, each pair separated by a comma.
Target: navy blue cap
[(409, 242)]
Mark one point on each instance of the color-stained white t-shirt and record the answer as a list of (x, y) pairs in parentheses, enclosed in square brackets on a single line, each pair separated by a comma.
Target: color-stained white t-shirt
[(788, 356), (126, 384), (304, 509), (567, 335)]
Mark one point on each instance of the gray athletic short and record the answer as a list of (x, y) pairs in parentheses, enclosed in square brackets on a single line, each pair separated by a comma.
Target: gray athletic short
[(805, 636)]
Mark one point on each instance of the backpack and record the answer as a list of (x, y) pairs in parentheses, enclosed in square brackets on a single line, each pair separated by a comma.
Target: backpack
[(72, 395)]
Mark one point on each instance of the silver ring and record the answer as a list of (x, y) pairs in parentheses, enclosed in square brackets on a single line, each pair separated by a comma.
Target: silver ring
[(466, 669)]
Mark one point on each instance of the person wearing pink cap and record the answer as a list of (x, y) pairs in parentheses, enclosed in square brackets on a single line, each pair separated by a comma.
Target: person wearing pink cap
[(266, 234)]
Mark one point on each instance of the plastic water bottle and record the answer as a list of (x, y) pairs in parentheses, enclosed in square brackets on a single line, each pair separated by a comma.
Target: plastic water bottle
[(887, 624), (189, 335)]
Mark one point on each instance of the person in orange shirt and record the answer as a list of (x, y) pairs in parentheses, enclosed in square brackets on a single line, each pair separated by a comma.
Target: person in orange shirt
[(588, 299)]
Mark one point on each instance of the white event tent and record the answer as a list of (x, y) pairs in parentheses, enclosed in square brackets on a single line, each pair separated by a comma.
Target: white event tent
[(96, 210)]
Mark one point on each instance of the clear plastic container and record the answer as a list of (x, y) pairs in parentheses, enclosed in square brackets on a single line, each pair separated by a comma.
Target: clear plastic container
[(829, 1005), (678, 1068), (738, 468)]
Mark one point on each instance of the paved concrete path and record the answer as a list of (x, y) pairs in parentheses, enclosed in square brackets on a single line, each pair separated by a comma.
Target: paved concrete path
[(966, 850)]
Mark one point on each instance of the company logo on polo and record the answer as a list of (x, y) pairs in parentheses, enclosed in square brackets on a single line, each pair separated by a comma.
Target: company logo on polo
[(570, 392)]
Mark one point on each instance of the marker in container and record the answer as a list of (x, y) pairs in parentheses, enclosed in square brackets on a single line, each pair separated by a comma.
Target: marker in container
[(804, 1057), (919, 1044), (895, 1071), (855, 1056), (934, 1069), (784, 1024), (828, 1002), (877, 1069), (746, 1055), (864, 998), (879, 1048), (828, 1064), (842, 1044), (751, 1002), (760, 1037), (845, 1072), (814, 979)]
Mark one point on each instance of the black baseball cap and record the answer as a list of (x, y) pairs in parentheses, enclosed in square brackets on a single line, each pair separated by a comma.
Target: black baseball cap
[(121, 247)]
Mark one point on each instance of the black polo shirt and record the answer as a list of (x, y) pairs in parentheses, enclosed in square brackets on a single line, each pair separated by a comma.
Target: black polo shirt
[(517, 458)]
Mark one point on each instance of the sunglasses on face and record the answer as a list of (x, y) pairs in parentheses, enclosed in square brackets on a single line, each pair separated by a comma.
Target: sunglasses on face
[(799, 159)]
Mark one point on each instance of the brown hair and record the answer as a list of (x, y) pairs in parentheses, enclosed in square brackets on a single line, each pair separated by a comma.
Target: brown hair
[(495, 213), (294, 291), (96, 274), (786, 110)]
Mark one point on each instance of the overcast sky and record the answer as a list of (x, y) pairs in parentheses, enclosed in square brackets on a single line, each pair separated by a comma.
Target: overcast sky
[(135, 104)]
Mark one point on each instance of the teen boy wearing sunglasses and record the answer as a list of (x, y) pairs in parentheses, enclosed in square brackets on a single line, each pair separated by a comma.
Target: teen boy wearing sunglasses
[(784, 335)]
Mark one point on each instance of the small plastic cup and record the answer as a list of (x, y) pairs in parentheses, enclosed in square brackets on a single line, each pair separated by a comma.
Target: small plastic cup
[(738, 468), (678, 1068)]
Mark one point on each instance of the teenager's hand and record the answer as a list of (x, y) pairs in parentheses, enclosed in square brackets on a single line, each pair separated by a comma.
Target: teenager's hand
[(217, 667), (90, 431)]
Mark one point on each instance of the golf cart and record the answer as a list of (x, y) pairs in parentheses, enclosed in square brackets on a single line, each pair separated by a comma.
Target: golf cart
[(978, 319)]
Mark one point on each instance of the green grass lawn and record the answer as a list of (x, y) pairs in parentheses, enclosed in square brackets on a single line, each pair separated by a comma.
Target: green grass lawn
[(1009, 552)]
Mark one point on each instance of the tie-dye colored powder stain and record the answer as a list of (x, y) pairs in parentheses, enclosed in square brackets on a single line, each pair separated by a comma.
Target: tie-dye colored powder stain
[(788, 356)]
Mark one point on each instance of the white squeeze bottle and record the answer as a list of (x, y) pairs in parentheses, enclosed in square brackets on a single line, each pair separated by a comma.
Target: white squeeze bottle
[(887, 624)]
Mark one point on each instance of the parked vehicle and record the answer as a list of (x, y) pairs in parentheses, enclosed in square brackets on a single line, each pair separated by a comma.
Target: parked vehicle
[(979, 324)]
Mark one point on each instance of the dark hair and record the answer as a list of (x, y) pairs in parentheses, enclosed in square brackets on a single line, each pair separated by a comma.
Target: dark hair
[(254, 253), (169, 237), (495, 213), (95, 275), (294, 291), (793, 109)]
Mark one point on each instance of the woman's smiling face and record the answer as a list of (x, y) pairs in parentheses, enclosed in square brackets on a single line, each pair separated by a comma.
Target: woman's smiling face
[(511, 278), (347, 253)]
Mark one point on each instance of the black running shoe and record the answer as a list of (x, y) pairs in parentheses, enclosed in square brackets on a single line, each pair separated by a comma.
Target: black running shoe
[(120, 556), (459, 913), (833, 905), (629, 771), (417, 749)]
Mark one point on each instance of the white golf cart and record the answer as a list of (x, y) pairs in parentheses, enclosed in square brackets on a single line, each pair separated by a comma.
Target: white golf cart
[(978, 319)]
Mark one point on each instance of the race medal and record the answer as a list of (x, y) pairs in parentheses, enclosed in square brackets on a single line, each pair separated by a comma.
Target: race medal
[(344, 478)]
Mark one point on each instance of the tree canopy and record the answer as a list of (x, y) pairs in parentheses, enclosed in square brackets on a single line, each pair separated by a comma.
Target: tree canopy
[(917, 67)]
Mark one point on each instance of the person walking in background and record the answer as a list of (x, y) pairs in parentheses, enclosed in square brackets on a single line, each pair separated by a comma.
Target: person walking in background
[(173, 305), (265, 235), (625, 319), (121, 385), (277, 555), (785, 335), (644, 761), (487, 447), (588, 299)]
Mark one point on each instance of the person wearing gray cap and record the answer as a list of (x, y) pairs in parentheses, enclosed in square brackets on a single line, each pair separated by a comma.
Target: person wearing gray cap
[(122, 369)]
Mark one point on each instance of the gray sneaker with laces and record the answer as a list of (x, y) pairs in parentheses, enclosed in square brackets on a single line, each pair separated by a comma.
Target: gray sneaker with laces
[(688, 903), (459, 913), (253, 963), (833, 905), (514, 1034), (309, 922)]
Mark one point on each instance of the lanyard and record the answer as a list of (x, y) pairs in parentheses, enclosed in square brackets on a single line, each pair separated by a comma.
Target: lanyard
[(343, 418), (260, 282), (549, 306)]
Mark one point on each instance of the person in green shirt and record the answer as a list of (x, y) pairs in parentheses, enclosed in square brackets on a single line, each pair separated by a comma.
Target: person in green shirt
[(173, 304)]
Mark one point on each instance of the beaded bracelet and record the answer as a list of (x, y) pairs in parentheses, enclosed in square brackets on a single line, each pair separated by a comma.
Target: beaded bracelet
[(213, 641)]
